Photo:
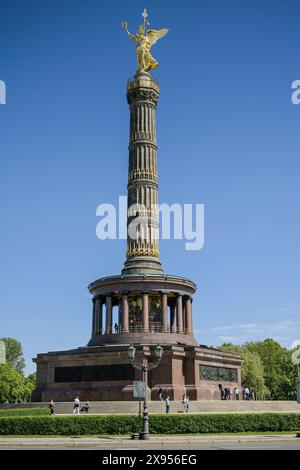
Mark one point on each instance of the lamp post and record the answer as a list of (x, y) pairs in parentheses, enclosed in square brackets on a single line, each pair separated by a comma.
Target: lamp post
[(144, 367)]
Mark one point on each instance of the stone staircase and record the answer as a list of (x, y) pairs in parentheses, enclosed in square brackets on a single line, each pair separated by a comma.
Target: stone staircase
[(201, 406), (205, 406)]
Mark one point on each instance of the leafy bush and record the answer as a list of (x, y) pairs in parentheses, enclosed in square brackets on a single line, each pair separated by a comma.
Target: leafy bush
[(159, 424), (13, 385)]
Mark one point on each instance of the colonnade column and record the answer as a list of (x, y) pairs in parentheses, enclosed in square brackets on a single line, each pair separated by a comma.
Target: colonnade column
[(94, 318), (125, 314), (99, 306), (97, 316), (164, 312), (179, 313), (145, 311), (188, 317), (181, 318), (108, 326), (183, 315), (172, 318)]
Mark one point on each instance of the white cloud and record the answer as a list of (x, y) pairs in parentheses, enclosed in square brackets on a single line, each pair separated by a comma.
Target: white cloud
[(228, 339), (285, 332)]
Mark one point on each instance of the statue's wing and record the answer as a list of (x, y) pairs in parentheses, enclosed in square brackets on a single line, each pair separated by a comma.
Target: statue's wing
[(154, 36)]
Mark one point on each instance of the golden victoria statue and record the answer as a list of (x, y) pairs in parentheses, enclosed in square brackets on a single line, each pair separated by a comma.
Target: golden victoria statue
[(144, 39)]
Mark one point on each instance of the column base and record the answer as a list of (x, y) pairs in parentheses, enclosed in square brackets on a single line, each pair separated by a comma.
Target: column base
[(142, 265)]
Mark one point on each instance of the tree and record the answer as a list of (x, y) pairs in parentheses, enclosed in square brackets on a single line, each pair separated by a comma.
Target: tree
[(252, 369), (278, 368), (267, 359), (13, 385), (14, 354), (232, 348), (32, 378), (253, 375)]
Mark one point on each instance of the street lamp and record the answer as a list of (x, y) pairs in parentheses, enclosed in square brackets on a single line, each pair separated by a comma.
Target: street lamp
[(144, 367)]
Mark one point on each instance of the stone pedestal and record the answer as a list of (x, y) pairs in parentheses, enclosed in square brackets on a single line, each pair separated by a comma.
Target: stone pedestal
[(104, 373)]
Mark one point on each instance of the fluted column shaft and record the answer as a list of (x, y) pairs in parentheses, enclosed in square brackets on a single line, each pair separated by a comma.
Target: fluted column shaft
[(142, 243)]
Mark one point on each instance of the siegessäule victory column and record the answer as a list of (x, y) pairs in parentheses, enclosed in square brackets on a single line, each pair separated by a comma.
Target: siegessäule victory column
[(142, 306)]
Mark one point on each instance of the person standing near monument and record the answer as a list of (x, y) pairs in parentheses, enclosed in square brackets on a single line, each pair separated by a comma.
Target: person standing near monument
[(52, 408), (186, 404), (76, 406), (168, 405)]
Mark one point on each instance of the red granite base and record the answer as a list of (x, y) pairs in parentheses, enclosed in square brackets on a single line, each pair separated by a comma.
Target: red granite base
[(178, 373)]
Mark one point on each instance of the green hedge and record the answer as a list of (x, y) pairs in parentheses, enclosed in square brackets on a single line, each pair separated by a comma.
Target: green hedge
[(69, 425), (221, 423), (24, 412), (159, 424)]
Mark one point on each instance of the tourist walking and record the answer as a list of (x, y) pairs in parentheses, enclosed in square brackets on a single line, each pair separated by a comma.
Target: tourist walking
[(52, 408), (76, 410), (186, 404), (168, 405), (237, 393), (160, 394), (247, 393)]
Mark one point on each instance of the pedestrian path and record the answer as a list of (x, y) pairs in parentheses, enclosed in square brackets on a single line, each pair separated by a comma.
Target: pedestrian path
[(117, 442)]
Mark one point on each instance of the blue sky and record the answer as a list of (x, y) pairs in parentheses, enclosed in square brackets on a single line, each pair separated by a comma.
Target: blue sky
[(228, 137)]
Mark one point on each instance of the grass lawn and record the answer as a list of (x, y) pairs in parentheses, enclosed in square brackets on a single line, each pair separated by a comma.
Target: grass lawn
[(24, 412)]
